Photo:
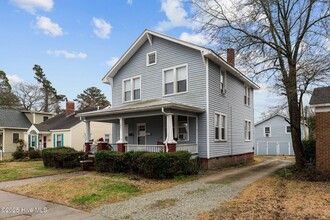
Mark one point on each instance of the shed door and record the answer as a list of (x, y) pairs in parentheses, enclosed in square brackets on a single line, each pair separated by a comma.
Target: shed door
[(141, 133)]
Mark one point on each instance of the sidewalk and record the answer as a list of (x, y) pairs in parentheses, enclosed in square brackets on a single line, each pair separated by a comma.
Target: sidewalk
[(13, 206)]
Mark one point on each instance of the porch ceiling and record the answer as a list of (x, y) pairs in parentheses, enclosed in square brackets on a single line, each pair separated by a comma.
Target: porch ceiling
[(144, 106)]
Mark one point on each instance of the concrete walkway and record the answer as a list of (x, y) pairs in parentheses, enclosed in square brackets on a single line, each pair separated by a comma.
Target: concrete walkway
[(14, 206)]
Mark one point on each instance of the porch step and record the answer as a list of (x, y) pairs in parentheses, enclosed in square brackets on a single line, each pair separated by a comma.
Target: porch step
[(87, 164)]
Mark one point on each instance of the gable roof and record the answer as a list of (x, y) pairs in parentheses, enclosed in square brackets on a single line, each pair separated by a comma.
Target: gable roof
[(61, 121), (147, 36), (10, 118), (270, 117), (320, 96)]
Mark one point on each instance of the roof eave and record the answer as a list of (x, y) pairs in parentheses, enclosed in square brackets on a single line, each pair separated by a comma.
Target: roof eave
[(232, 69)]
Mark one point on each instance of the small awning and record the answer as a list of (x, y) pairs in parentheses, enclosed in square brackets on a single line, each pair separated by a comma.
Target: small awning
[(149, 105)]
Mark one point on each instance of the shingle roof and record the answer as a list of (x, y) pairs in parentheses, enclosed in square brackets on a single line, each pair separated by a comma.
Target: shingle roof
[(320, 96), (10, 118), (61, 121)]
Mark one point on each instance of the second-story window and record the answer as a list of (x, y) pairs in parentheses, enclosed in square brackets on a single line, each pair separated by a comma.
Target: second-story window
[(247, 96), (222, 82), (175, 80), (132, 89)]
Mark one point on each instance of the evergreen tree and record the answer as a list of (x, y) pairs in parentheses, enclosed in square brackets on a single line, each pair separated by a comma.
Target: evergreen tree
[(92, 97)]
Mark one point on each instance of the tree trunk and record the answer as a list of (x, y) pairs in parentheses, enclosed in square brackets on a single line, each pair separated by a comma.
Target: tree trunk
[(46, 108), (295, 118)]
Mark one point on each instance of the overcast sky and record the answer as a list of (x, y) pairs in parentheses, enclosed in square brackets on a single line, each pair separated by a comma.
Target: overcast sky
[(77, 41)]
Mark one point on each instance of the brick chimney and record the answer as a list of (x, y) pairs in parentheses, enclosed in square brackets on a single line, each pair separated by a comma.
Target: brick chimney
[(231, 57), (69, 108)]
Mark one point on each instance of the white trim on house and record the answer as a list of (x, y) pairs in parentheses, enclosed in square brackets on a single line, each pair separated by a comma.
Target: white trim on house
[(219, 127), (322, 109), (270, 131), (13, 128), (175, 79), (286, 129), (223, 75), (249, 130), (131, 79), (207, 110), (205, 52), (147, 58)]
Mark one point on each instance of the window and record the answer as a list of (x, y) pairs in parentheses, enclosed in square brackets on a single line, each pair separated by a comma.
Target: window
[(247, 130), (247, 96), (45, 118), (15, 137), (59, 140), (220, 127), (267, 132), (132, 89), (288, 129), (222, 82), (183, 128), (175, 80), (180, 127), (151, 58), (107, 138)]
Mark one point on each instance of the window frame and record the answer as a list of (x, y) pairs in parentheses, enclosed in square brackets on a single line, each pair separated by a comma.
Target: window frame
[(131, 79), (286, 129), (223, 90), (247, 96), (147, 58), (105, 138), (248, 131), (219, 126), (15, 141), (62, 143), (175, 80), (270, 131)]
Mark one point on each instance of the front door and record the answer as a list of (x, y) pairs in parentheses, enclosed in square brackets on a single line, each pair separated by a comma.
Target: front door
[(141, 133), (44, 139), (1, 140)]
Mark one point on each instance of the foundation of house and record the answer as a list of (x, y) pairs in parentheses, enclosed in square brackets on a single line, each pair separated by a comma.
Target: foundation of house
[(218, 162)]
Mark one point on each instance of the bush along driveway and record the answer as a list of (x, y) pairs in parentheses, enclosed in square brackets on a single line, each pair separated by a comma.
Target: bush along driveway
[(187, 200)]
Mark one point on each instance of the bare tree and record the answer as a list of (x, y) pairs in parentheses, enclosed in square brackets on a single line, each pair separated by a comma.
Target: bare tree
[(287, 41), (30, 96)]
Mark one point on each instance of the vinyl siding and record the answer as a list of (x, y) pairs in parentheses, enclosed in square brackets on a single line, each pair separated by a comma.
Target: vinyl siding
[(8, 145), (231, 104), (278, 134), (169, 54)]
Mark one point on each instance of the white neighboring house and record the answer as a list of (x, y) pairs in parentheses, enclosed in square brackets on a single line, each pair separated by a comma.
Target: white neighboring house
[(273, 136)]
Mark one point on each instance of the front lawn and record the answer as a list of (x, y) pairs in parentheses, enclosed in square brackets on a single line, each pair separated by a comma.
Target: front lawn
[(93, 189), (21, 170), (284, 195)]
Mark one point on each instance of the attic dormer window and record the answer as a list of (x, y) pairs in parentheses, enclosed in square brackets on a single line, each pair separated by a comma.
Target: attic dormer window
[(151, 58)]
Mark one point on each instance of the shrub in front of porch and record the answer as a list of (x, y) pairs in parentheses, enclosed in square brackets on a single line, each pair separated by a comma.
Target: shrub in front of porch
[(147, 164), (62, 157)]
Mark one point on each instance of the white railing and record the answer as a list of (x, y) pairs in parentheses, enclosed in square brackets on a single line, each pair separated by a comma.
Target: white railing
[(149, 148), (192, 148)]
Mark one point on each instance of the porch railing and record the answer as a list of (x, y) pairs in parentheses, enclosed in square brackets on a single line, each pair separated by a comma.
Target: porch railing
[(149, 148), (192, 148)]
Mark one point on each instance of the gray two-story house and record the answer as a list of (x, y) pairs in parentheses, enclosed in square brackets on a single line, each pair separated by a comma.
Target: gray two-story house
[(170, 92)]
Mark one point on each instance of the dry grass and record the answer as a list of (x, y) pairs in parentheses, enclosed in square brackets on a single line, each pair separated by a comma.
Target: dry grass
[(276, 197), (21, 170), (92, 190)]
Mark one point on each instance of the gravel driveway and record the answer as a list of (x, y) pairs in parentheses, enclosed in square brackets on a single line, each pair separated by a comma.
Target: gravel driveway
[(187, 200)]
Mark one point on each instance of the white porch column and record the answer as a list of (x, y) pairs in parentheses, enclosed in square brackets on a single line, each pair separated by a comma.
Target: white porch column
[(88, 131), (169, 124), (121, 131)]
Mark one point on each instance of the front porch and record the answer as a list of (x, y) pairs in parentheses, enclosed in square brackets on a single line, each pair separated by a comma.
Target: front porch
[(154, 127)]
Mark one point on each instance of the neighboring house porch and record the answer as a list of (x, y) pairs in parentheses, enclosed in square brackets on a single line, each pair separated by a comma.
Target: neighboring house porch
[(153, 125)]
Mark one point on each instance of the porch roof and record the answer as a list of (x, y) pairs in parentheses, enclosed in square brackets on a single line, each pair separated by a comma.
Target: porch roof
[(155, 104)]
